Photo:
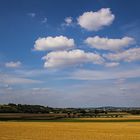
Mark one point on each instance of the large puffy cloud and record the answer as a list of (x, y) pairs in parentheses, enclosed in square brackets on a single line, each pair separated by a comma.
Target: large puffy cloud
[(109, 44), (94, 21), (13, 64), (129, 55), (54, 43), (70, 58)]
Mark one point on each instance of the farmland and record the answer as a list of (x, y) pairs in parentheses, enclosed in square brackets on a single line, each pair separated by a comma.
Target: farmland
[(39, 123), (69, 131)]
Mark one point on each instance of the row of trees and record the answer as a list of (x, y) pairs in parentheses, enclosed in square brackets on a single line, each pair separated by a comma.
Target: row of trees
[(19, 108)]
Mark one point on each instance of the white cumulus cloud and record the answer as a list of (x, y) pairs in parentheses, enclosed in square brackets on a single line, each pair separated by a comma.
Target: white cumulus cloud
[(70, 58), (13, 64), (132, 54), (54, 43), (109, 44), (94, 21)]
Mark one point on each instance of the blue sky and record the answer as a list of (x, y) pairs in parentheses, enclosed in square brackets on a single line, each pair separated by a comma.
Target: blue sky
[(70, 53)]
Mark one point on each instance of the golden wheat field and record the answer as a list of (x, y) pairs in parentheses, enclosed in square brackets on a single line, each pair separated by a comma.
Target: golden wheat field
[(126, 117), (69, 131)]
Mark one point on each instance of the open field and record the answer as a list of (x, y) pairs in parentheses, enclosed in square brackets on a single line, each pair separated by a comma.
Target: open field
[(30, 116), (124, 118), (69, 131)]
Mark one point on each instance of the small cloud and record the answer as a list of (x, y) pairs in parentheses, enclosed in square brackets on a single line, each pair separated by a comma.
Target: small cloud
[(111, 44), (32, 15), (132, 54), (112, 64), (40, 89), (13, 64), (123, 88), (9, 88), (54, 43), (120, 81), (8, 79), (44, 20), (68, 21), (5, 86), (94, 21)]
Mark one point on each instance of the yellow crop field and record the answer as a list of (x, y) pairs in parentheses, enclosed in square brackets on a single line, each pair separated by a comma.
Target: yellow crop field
[(126, 117), (69, 131)]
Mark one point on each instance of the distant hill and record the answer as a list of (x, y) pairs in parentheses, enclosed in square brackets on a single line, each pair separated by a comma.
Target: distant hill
[(24, 108)]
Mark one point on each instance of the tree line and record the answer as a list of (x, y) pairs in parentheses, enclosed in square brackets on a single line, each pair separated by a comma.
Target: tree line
[(24, 108)]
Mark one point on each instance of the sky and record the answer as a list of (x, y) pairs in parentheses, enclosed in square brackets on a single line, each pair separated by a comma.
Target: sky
[(70, 53)]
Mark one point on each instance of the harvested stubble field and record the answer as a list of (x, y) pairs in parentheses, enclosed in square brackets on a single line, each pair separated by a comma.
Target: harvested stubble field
[(69, 131)]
